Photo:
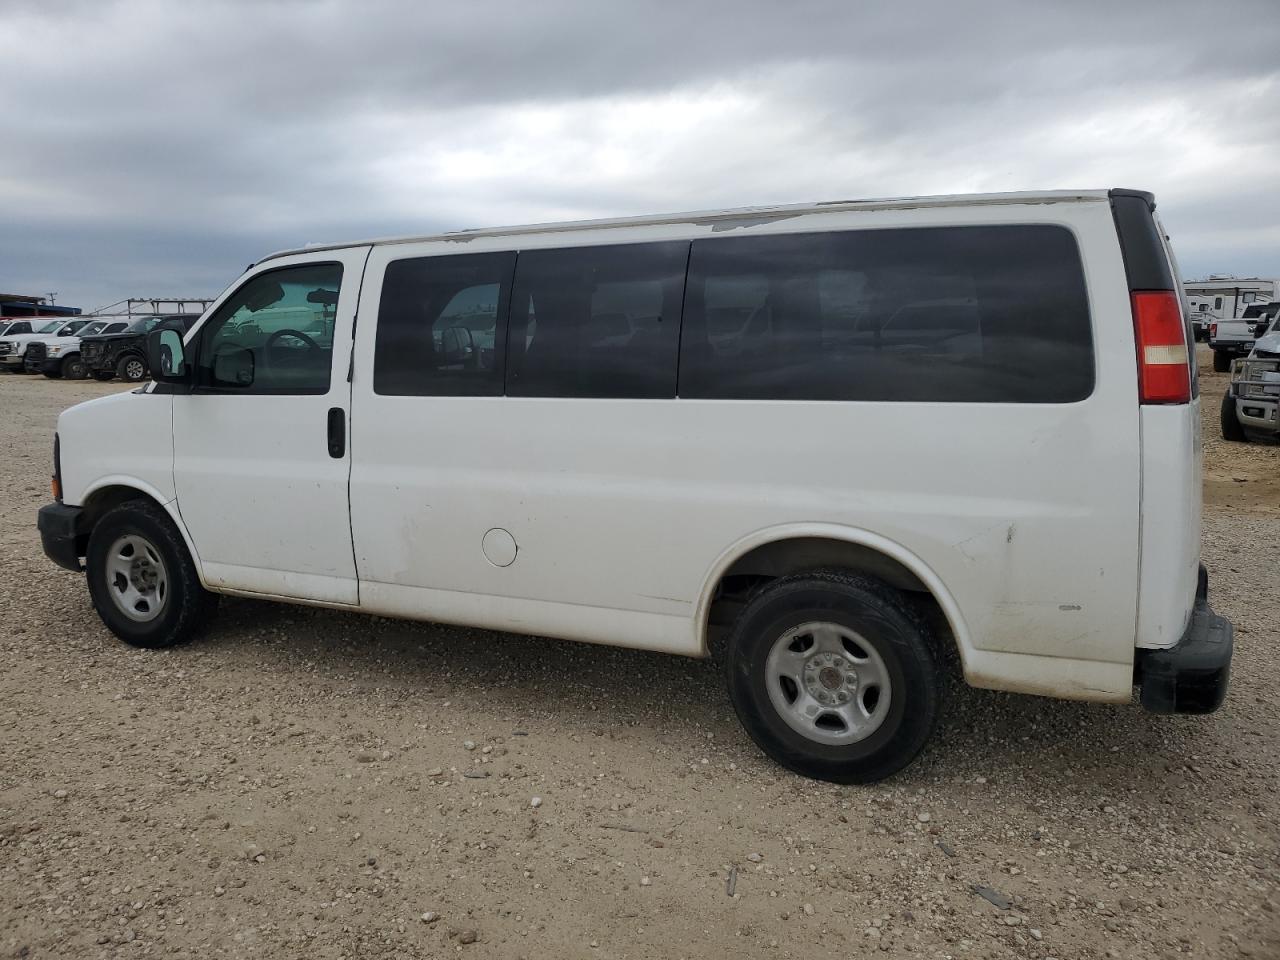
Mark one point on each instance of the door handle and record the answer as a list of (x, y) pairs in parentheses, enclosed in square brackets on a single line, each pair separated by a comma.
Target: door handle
[(337, 433)]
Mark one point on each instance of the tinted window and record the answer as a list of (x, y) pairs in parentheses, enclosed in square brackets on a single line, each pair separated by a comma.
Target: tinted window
[(442, 326), (142, 326), (983, 314), (274, 334), (597, 321)]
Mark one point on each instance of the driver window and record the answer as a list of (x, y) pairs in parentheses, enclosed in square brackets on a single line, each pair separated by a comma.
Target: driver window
[(274, 335)]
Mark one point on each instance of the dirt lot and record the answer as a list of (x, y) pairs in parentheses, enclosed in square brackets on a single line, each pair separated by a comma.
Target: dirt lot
[(310, 784)]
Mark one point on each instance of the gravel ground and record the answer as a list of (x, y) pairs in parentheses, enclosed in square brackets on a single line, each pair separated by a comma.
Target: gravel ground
[(312, 784)]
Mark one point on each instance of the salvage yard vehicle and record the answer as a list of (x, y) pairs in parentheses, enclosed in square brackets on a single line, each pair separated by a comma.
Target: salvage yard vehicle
[(13, 347), (1251, 405), (1234, 338), (61, 357), (844, 447), (122, 353)]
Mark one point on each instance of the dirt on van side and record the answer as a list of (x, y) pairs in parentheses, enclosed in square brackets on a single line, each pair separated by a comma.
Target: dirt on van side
[(304, 783)]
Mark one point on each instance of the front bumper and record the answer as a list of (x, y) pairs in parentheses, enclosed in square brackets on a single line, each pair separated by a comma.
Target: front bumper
[(1192, 675), (60, 534), (13, 361), (47, 365)]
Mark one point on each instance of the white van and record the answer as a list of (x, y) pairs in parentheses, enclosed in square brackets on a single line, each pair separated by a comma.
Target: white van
[(841, 445)]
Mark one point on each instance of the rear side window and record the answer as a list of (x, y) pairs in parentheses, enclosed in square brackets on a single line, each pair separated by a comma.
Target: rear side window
[(951, 314), (597, 321), (442, 326)]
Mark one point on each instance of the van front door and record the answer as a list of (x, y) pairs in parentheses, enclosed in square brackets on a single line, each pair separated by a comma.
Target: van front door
[(261, 463)]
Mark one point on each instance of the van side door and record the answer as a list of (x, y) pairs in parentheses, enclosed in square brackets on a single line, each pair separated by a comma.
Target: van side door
[(261, 458)]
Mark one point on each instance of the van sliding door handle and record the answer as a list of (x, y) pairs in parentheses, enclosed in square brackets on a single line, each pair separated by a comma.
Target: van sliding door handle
[(337, 433)]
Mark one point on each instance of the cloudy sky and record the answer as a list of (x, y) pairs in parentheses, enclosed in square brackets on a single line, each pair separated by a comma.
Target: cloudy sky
[(156, 147)]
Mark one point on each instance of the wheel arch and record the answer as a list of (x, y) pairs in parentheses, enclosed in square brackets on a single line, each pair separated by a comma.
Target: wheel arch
[(793, 548), (110, 492)]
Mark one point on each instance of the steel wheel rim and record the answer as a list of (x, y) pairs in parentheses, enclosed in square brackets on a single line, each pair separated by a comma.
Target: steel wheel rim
[(136, 578), (827, 683)]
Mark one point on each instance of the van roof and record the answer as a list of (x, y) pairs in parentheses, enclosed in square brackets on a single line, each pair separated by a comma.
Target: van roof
[(739, 216)]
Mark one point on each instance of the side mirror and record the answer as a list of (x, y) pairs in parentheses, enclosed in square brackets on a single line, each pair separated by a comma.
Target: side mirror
[(166, 356)]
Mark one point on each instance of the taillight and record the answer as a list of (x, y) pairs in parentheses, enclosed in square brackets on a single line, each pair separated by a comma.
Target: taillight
[(1213, 329), (1164, 368)]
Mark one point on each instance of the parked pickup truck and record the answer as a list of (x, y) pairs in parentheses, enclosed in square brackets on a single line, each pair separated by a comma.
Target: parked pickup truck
[(13, 348), (1251, 405), (123, 353), (1234, 338), (60, 356)]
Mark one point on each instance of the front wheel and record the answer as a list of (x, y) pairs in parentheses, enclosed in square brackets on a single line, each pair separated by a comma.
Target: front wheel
[(1221, 361), (1229, 417), (834, 676), (131, 369), (142, 580), (73, 368)]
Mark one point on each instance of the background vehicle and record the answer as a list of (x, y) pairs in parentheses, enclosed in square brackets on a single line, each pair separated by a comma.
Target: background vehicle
[(1234, 338), (1200, 319), (13, 348), (1251, 405), (61, 357), (122, 354), (796, 437)]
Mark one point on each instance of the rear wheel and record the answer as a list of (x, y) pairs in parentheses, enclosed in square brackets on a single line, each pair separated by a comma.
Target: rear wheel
[(73, 368), (131, 368), (1230, 419), (142, 580), (1221, 361), (834, 676)]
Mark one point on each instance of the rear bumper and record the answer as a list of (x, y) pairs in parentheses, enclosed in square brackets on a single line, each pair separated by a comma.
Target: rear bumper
[(60, 534), (1191, 676), (1241, 347)]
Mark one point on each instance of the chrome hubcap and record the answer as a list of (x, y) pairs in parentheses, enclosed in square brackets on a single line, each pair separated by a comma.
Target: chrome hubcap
[(136, 578), (827, 683)]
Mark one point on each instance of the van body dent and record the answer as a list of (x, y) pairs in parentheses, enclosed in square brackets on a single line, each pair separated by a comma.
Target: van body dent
[(840, 445)]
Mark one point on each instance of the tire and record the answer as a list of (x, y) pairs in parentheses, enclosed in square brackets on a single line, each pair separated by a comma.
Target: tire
[(1221, 361), (73, 368), (855, 619), (131, 368), (161, 585), (1230, 419), (104, 375)]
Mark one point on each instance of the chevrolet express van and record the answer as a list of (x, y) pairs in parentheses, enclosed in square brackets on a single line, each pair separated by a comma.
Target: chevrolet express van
[(842, 446)]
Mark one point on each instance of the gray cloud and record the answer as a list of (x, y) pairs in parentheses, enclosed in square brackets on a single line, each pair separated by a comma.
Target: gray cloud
[(157, 148)]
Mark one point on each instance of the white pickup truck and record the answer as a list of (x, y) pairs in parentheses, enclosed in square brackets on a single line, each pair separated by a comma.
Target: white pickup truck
[(1235, 337), (1251, 405), (13, 349), (59, 356)]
